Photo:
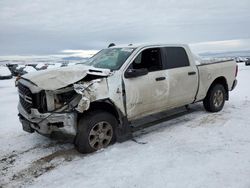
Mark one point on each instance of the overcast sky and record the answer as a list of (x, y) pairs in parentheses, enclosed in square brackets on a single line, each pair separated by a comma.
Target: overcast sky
[(51, 26)]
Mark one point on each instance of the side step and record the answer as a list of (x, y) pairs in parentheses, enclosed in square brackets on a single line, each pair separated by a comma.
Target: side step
[(159, 118)]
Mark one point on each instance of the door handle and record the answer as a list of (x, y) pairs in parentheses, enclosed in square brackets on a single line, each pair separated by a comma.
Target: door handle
[(160, 78), (191, 73)]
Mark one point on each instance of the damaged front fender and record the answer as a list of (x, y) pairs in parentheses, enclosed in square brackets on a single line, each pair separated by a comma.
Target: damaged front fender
[(90, 91)]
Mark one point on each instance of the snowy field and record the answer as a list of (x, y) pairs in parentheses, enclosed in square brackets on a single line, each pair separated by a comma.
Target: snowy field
[(197, 149)]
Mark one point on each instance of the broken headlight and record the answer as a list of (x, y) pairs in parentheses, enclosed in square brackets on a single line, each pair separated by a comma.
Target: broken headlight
[(63, 98)]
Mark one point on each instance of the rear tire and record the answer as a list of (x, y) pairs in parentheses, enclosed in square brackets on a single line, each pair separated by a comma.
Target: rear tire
[(96, 130), (215, 98)]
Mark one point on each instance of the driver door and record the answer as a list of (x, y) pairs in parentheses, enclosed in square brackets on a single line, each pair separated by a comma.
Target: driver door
[(146, 94)]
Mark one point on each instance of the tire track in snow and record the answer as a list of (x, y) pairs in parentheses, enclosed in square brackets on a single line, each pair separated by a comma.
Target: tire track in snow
[(10, 174)]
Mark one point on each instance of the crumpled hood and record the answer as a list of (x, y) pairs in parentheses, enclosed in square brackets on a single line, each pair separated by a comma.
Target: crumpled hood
[(57, 78)]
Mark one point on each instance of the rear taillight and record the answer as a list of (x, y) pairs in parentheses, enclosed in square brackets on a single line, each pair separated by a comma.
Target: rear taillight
[(236, 71)]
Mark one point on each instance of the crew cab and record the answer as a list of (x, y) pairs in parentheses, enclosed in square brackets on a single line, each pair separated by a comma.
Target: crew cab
[(96, 101)]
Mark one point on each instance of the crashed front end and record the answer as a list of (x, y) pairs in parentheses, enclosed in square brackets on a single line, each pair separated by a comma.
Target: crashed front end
[(48, 111)]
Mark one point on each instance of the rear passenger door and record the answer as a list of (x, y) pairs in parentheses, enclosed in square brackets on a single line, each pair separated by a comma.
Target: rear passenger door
[(183, 78)]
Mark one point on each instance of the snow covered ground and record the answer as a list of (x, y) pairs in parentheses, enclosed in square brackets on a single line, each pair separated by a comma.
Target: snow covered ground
[(198, 149)]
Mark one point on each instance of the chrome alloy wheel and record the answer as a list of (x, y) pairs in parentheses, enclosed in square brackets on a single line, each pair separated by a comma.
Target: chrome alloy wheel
[(100, 135), (218, 98)]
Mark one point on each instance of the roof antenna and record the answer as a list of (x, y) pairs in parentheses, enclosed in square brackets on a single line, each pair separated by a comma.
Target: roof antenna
[(111, 45)]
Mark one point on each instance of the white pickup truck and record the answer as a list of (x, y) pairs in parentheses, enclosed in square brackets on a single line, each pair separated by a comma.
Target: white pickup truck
[(96, 101)]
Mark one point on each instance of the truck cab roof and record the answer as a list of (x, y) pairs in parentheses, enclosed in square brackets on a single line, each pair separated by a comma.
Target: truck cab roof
[(148, 45)]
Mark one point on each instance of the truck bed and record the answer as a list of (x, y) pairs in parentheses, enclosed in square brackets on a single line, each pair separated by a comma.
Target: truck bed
[(210, 71), (209, 62)]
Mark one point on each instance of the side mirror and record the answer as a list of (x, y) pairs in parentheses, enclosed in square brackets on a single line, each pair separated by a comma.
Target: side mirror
[(132, 73)]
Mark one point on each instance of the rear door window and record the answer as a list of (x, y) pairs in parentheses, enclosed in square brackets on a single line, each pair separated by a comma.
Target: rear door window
[(175, 57)]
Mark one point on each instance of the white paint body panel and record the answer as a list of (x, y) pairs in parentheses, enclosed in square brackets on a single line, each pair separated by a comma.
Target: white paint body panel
[(145, 95), (183, 87), (209, 72)]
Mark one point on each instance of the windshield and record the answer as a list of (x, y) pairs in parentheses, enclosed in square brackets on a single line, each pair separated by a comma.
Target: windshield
[(111, 58)]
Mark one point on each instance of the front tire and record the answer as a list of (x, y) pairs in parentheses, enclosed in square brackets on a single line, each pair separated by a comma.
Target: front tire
[(215, 98), (96, 130)]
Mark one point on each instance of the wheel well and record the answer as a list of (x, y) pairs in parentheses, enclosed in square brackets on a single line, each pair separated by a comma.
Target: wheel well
[(123, 131), (104, 105), (221, 80)]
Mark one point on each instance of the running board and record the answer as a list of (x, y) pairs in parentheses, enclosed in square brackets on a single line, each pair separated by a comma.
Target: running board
[(161, 117)]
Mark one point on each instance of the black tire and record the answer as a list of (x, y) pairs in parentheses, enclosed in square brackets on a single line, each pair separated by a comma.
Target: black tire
[(96, 130), (215, 98)]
